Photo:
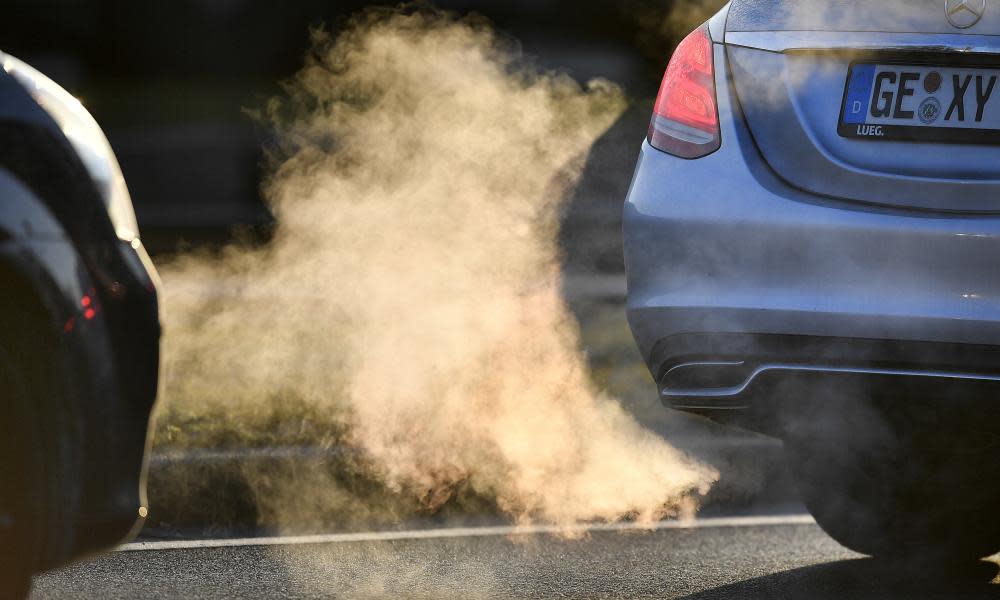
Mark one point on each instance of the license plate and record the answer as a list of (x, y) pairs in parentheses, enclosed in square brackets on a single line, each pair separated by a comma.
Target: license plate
[(921, 103)]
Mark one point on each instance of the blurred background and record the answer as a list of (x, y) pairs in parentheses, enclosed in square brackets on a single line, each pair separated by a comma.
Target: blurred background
[(171, 82), (173, 85)]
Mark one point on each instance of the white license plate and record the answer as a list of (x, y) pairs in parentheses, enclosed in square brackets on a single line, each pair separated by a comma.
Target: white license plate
[(922, 103)]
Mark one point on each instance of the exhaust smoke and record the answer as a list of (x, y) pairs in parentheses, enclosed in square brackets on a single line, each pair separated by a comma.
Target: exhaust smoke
[(409, 305)]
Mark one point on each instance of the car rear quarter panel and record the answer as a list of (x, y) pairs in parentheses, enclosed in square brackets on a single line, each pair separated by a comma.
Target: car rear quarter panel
[(97, 470)]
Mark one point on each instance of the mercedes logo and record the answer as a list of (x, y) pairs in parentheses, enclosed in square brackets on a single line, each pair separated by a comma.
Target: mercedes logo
[(964, 13)]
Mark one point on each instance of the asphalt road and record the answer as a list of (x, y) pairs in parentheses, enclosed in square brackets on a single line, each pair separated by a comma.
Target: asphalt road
[(770, 557)]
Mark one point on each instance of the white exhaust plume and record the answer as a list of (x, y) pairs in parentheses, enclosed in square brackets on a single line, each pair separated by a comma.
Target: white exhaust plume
[(411, 294)]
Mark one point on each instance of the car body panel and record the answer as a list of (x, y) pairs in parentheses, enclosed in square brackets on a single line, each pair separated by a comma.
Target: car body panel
[(57, 247), (792, 102), (905, 16), (104, 506), (723, 245), (24, 216)]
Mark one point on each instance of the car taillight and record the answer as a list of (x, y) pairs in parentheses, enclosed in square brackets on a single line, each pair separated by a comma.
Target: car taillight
[(685, 117)]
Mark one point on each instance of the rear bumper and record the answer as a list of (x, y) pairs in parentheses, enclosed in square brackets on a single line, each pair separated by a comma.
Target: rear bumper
[(728, 263), (712, 373)]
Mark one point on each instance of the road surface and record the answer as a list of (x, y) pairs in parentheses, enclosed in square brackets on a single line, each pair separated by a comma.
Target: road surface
[(753, 557)]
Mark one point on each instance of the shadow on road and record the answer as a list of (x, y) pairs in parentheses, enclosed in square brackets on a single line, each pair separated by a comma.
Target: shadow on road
[(863, 579)]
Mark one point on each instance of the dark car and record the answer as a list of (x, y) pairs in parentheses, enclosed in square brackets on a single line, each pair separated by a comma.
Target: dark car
[(79, 334)]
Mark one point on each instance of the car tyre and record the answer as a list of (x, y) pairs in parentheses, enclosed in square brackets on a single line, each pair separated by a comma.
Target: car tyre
[(898, 488), (40, 448), (19, 482)]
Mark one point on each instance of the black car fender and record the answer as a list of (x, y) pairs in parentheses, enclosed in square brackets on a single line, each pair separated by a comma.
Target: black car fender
[(50, 307), (67, 279)]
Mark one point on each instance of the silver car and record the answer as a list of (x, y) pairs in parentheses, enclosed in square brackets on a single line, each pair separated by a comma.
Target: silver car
[(812, 240)]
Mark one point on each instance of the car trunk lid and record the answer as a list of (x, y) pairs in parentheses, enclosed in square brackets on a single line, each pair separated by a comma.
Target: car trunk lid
[(790, 62)]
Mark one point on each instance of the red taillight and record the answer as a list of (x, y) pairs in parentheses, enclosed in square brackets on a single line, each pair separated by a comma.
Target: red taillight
[(685, 117), (88, 304)]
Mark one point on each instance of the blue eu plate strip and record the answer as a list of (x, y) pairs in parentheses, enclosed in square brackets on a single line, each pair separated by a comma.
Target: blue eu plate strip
[(859, 92)]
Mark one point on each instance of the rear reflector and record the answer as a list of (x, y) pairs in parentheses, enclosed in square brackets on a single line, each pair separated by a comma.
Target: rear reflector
[(685, 117)]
